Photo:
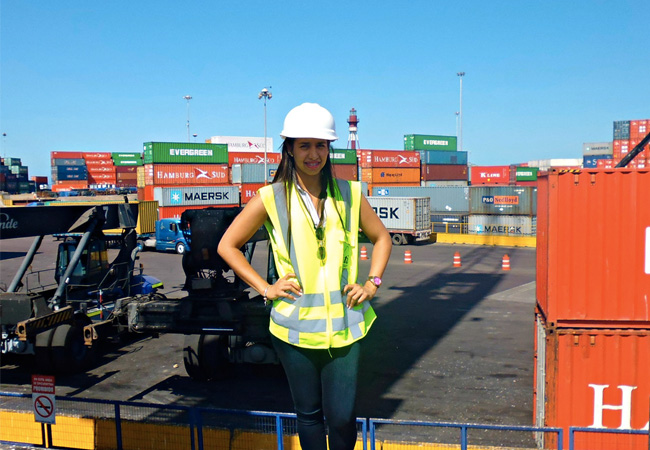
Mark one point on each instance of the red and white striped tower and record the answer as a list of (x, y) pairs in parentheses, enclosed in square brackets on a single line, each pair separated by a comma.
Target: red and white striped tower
[(353, 139)]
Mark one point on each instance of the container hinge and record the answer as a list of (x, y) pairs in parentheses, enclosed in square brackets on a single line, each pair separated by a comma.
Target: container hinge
[(593, 178)]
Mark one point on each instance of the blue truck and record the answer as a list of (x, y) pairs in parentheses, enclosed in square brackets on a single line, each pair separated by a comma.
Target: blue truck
[(167, 237)]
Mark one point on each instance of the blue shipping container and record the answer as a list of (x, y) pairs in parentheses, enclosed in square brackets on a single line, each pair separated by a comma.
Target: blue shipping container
[(590, 162), (442, 157)]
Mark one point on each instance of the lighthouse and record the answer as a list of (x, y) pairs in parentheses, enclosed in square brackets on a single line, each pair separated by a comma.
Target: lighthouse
[(353, 138)]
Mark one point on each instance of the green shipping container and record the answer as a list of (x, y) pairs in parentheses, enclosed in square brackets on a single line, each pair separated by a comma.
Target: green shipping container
[(185, 153), (526, 173), (343, 156), (430, 142), (137, 161), (118, 155)]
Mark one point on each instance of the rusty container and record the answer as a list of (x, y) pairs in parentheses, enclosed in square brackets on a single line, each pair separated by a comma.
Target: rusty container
[(593, 378), (593, 248)]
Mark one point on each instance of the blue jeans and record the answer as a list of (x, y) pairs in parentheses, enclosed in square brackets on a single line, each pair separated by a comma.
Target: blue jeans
[(323, 385)]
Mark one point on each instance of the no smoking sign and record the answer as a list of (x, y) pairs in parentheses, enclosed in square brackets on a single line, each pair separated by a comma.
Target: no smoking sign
[(43, 398)]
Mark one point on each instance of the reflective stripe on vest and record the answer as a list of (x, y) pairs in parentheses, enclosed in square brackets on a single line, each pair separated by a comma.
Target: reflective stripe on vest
[(318, 318)]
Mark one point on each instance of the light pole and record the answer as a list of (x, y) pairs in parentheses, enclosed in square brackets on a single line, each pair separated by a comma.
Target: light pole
[(457, 114), (266, 95), (188, 98), (460, 113)]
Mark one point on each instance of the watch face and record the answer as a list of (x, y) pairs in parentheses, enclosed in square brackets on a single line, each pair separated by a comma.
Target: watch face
[(376, 280)]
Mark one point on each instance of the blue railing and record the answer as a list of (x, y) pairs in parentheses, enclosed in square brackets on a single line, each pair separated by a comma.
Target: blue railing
[(593, 431)]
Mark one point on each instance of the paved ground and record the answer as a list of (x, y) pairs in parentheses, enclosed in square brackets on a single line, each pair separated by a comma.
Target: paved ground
[(450, 344)]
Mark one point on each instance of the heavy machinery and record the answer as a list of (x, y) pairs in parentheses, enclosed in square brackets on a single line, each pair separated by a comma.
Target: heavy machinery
[(85, 290), (223, 324)]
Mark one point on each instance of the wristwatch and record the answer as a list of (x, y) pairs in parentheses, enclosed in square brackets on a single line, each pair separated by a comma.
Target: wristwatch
[(375, 280)]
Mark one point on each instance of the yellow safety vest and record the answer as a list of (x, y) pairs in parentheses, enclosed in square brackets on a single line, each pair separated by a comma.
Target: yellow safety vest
[(318, 318)]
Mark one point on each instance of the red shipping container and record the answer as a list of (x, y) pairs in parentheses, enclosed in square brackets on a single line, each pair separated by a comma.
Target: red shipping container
[(345, 171), (147, 193), (605, 163), (444, 172), (639, 129), (66, 155), (593, 248), (97, 155), (391, 175), (620, 147), (104, 177), (37, 179), (490, 174), (186, 174), (253, 158), (101, 169), (126, 169), (388, 159), (98, 162), (248, 191), (593, 378)]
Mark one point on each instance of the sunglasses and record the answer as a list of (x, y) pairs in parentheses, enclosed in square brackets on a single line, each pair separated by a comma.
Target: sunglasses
[(320, 236)]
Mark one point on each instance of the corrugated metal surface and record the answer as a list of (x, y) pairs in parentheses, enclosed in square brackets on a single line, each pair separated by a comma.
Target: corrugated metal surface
[(442, 199), (342, 156), (190, 196), (185, 174), (185, 153), (622, 129), (593, 247), (97, 155), (430, 142), (596, 378), (444, 172), (252, 173), (507, 200), (591, 161), (388, 159), (597, 148), (449, 223), (390, 175), (489, 175), (445, 183), (247, 191), (639, 128), (68, 162), (502, 225), (66, 155), (402, 213), (442, 157), (525, 173), (253, 158), (345, 171), (99, 163)]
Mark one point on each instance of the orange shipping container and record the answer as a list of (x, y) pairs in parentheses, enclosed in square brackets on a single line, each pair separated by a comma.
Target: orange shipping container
[(593, 248), (185, 174), (99, 162), (593, 378), (97, 155), (391, 175), (69, 185), (345, 171), (639, 128), (248, 191)]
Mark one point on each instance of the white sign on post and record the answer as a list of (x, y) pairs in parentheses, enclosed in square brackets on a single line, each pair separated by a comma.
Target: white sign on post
[(43, 398)]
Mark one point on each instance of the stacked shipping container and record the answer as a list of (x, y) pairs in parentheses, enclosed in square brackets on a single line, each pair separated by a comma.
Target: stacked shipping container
[(441, 163), (14, 177), (593, 321)]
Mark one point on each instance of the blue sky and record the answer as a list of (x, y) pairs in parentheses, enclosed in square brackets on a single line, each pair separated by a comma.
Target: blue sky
[(542, 77)]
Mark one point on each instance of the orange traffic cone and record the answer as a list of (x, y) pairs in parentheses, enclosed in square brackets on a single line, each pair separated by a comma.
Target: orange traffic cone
[(364, 253), (407, 257), (505, 262), (457, 260)]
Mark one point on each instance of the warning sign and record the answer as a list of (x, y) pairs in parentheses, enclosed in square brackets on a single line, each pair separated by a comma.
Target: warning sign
[(43, 398)]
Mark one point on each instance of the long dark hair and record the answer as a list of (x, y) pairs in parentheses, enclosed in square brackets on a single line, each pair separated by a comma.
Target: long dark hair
[(286, 174)]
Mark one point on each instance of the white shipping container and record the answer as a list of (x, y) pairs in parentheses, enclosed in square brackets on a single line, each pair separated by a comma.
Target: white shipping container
[(197, 196), (244, 143), (445, 183), (597, 148), (252, 173), (404, 216), (545, 164), (502, 225)]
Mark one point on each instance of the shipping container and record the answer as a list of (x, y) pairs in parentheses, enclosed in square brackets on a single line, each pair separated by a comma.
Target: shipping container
[(12, 162), (69, 185), (593, 247), (591, 161), (597, 148), (442, 157), (441, 199), (185, 174), (191, 196), (184, 153), (404, 216), (449, 223), (621, 129), (66, 155), (546, 164), (390, 175), (97, 155), (508, 200), (343, 156), (525, 173), (243, 143), (489, 175), (496, 224), (60, 170), (119, 155), (253, 158), (128, 162), (101, 169), (445, 183), (39, 179), (102, 178), (99, 163), (444, 172), (639, 128), (126, 176), (345, 171), (252, 173), (596, 379), (388, 159), (605, 163), (247, 191), (430, 142), (68, 162), (68, 176), (126, 169), (141, 177)]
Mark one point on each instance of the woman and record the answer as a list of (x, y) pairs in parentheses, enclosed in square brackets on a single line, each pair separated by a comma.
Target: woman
[(320, 313)]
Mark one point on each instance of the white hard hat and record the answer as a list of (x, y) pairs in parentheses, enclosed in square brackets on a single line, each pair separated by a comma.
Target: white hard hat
[(309, 120)]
